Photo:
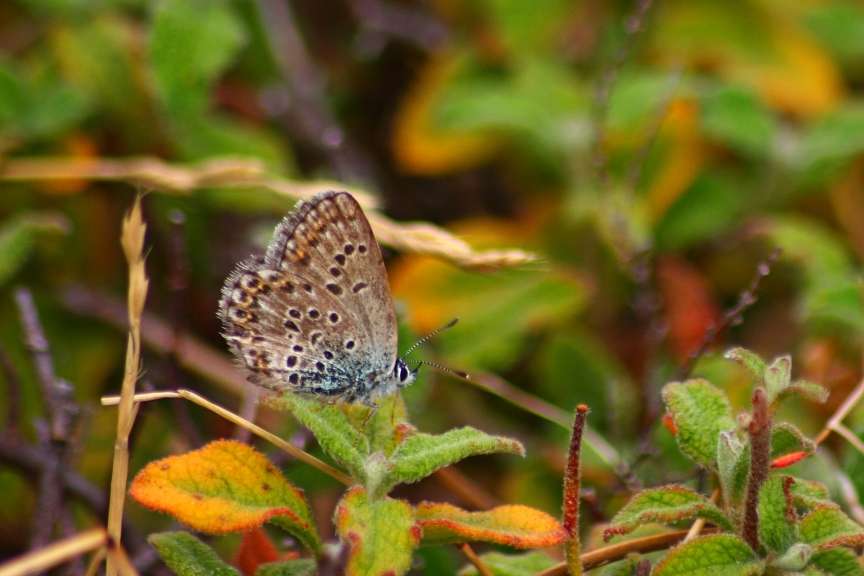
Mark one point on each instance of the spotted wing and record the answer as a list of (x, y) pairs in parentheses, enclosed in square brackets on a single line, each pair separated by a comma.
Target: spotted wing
[(315, 314)]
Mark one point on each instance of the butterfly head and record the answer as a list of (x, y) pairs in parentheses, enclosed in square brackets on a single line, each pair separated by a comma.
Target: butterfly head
[(403, 375)]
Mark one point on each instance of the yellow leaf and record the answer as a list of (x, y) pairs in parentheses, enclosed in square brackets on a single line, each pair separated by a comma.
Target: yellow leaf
[(514, 525), (225, 487)]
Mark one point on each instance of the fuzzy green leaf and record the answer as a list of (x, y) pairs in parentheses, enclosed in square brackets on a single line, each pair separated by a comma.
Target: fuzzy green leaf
[(301, 567), (332, 429), (186, 555), (786, 439), (777, 518), (794, 559), (733, 464), (717, 555), (828, 527), (838, 562), (810, 495), (422, 454), (777, 377), (750, 361), (666, 505), (511, 565), (381, 534), (806, 390), (700, 413)]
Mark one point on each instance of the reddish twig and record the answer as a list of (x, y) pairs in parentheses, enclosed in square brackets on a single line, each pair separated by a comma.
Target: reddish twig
[(732, 316)]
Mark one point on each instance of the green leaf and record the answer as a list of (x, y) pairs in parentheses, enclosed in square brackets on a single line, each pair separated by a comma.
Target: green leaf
[(778, 382), (807, 390), (422, 454), (829, 144), (534, 105), (795, 558), (700, 413), (829, 293), (192, 43), (810, 495), (667, 505), (626, 567), (17, 236), (36, 107), (717, 555), (513, 525), (786, 439), (838, 562), (332, 429), (186, 555), (381, 534), (302, 567), (735, 116), (777, 377), (777, 518), (101, 58), (733, 465), (711, 205), (840, 27), (752, 362), (828, 527), (511, 565), (529, 28)]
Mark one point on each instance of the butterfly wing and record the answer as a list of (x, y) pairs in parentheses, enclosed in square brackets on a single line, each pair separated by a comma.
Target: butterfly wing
[(315, 314)]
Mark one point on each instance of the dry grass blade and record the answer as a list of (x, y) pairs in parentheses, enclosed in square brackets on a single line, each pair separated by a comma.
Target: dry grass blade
[(238, 173), (254, 428), (132, 241), (56, 553)]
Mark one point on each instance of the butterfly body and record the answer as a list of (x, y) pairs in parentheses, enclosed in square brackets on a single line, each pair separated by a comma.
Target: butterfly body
[(315, 314)]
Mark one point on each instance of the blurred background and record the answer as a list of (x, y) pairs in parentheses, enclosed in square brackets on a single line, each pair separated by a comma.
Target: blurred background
[(652, 155)]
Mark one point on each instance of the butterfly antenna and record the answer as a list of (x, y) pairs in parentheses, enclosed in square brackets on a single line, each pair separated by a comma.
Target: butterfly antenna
[(428, 336), (458, 373)]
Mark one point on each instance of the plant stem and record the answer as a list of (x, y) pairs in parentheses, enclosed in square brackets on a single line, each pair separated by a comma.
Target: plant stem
[(760, 464), (572, 547)]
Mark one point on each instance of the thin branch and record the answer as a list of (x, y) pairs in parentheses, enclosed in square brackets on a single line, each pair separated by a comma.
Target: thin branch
[(307, 116), (230, 416), (13, 393), (506, 391), (634, 26), (841, 412), (400, 21), (60, 410), (616, 552), (731, 316), (34, 460), (475, 560)]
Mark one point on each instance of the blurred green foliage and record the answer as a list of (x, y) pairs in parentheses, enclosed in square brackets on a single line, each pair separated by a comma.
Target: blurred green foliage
[(693, 139)]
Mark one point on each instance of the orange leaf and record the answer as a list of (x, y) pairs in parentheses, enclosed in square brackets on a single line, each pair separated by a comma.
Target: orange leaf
[(788, 459), (225, 487), (256, 548), (514, 525), (690, 307)]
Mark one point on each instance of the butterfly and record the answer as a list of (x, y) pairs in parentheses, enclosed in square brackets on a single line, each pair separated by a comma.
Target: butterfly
[(315, 314)]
